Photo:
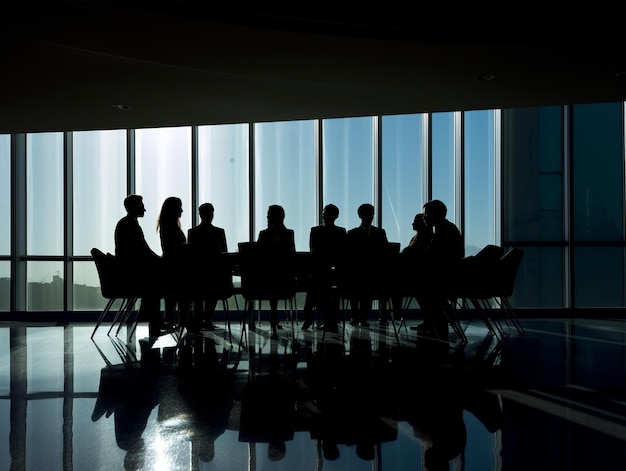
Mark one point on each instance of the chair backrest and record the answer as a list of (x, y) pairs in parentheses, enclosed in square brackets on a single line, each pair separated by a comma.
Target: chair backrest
[(211, 275), (107, 273), (507, 273), (266, 274)]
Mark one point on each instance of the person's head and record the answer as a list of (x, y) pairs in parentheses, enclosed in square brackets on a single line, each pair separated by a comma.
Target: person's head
[(434, 212), (134, 206), (366, 213), (170, 213), (329, 214), (419, 224), (275, 216), (206, 211)]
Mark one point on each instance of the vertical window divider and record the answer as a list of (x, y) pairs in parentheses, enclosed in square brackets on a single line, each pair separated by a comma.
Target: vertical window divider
[(319, 169), (68, 185), (194, 176), (18, 222), (251, 195), (459, 172), (427, 159), (568, 195), (497, 173), (130, 161), (377, 143)]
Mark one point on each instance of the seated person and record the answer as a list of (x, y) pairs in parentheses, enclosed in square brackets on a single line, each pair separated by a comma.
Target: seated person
[(206, 240), (328, 242), (276, 242), (140, 263)]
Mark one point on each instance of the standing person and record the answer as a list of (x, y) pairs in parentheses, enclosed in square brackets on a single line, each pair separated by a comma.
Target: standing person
[(206, 240), (328, 242), (173, 242), (277, 241), (139, 262), (441, 258), (366, 244)]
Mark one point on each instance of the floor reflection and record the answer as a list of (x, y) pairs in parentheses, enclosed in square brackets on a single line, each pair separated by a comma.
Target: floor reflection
[(360, 399)]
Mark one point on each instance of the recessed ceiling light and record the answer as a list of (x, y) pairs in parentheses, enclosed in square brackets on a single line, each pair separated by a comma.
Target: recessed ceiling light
[(484, 78), (121, 107)]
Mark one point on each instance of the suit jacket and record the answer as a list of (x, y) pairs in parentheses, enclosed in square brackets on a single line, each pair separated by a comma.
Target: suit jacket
[(278, 239), (363, 241), (329, 241), (207, 237), (130, 243)]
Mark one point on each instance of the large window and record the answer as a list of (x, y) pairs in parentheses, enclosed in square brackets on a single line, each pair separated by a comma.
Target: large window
[(163, 157), (402, 174), (284, 170), (549, 180), (444, 156), (348, 167), (598, 205), (223, 178), (480, 181)]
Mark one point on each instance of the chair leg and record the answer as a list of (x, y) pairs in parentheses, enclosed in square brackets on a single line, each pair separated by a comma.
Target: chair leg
[(105, 311), (227, 319), (120, 314)]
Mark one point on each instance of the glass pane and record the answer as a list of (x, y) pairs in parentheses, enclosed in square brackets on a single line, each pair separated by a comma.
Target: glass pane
[(5, 361), (598, 168), (479, 181), (45, 356), (599, 277), (87, 294), (5, 286), (163, 158), (44, 187), (5, 433), (284, 171), (223, 178), (539, 281), (402, 163), (443, 166), (99, 187), (44, 289), (5, 193), (532, 174), (44, 436), (348, 167)]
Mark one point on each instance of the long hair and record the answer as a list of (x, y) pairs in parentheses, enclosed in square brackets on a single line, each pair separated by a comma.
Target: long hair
[(170, 212)]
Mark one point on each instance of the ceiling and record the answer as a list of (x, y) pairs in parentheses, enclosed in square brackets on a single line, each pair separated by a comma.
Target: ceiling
[(66, 65)]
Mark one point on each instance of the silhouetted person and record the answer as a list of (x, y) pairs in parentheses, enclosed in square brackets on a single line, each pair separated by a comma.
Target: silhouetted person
[(328, 242), (139, 262), (365, 245), (422, 237), (441, 258), (410, 267), (278, 244), (206, 240), (175, 256)]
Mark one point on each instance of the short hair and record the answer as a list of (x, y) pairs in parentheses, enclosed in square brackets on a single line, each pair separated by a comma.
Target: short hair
[(131, 201), (206, 208), (365, 209), (332, 210), (436, 208)]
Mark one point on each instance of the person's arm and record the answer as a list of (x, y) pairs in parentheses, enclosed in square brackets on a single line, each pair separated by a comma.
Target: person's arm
[(223, 245)]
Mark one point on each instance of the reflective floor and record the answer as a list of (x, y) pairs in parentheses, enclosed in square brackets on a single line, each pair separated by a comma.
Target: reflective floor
[(364, 398)]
